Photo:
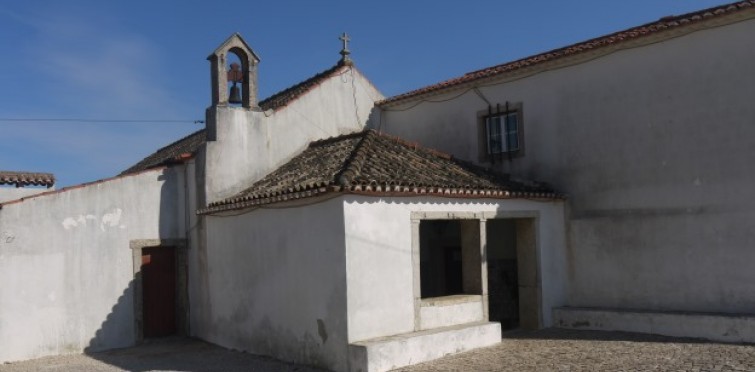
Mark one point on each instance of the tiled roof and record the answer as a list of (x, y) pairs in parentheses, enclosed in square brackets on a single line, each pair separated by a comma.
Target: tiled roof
[(26, 179), (371, 163), (171, 153), (663, 24), (191, 143)]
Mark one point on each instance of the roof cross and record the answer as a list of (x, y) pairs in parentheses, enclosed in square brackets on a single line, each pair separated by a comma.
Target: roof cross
[(345, 51)]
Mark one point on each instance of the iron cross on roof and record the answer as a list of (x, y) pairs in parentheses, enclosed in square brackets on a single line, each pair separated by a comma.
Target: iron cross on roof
[(345, 51)]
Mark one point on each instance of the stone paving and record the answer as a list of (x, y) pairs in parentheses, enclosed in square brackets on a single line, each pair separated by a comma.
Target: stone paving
[(568, 350), (545, 350), (170, 354)]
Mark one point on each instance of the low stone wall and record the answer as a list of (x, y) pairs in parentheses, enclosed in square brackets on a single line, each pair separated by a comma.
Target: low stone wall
[(711, 326)]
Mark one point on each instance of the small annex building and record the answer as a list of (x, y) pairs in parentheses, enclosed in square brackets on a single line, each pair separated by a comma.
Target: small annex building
[(379, 248)]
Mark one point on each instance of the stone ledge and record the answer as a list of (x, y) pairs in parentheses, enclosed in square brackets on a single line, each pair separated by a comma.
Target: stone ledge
[(386, 353), (450, 300), (737, 328)]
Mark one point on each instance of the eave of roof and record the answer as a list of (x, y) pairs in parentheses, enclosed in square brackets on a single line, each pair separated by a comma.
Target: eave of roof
[(176, 152), (20, 179), (616, 39), (79, 186), (370, 163)]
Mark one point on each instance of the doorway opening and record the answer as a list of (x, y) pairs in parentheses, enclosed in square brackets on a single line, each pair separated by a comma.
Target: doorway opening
[(160, 288), (159, 291), (513, 278)]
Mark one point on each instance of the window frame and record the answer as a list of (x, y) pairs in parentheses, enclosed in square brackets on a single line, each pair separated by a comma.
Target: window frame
[(486, 155)]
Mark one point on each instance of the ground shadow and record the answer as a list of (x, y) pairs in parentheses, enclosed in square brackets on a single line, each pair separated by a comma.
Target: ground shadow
[(590, 335), (190, 355)]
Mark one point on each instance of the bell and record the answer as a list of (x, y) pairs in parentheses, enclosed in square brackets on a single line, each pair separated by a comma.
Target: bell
[(235, 96)]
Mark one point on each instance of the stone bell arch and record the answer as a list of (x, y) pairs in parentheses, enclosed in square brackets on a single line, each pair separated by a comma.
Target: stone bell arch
[(220, 72)]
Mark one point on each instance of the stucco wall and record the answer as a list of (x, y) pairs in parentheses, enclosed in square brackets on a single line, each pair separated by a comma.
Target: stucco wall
[(251, 144), (8, 193), (276, 284), (379, 263), (66, 269), (653, 145)]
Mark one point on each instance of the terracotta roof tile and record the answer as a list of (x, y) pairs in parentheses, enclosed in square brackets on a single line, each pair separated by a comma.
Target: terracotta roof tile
[(21, 179), (663, 24), (191, 143), (373, 163), (171, 153)]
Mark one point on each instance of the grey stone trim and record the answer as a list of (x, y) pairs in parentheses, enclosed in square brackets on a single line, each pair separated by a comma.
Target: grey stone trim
[(416, 287), (182, 297), (528, 232), (481, 283)]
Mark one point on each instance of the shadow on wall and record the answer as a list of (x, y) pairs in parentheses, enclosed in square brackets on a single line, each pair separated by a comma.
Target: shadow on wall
[(119, 329)]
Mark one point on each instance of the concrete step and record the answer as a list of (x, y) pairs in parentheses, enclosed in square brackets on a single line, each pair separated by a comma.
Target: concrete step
[(386, 353)]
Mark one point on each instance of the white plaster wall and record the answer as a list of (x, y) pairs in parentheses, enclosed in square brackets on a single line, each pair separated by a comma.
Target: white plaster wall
[(735, 328), (277, 284), (8, 193), (251, 144), (198, 283), (379, 265), (441, 315), (66, 268), (653, 145)]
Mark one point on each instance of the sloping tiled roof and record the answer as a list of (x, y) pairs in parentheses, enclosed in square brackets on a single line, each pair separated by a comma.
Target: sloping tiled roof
[(663, 24), (191, 143), (171, 153), (371, 163), (26, 179)]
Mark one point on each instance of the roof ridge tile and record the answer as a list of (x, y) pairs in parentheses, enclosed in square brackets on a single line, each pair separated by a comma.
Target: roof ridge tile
[(353, 164), (24, 178)]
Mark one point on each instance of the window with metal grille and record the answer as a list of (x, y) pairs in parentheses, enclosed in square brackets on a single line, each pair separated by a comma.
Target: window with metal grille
[(502, 132)]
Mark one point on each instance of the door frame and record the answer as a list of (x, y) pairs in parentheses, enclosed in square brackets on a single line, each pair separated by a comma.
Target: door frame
[(528, 241), (182, 294)]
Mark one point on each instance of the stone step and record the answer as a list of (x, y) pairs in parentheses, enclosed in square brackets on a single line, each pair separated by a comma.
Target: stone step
[(386, 353)]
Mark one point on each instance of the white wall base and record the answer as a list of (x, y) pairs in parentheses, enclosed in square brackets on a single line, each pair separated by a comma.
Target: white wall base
[(450, 310), (386, 353), (711, 326)]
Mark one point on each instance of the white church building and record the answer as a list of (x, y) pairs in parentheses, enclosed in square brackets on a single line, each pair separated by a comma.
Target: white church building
[(604, 185)]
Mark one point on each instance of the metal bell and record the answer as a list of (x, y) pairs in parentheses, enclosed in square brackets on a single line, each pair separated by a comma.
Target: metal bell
[(235, 95)]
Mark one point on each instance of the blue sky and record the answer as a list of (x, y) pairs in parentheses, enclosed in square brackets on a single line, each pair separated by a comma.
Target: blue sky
[(146, 60)]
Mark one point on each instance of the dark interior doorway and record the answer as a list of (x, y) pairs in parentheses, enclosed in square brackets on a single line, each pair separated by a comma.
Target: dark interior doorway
[(450, 258), (513, 274), (440, 258), (503, 276), (158, 272)]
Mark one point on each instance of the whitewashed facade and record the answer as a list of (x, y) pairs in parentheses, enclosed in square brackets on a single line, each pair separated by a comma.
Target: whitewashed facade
[(651, 140)]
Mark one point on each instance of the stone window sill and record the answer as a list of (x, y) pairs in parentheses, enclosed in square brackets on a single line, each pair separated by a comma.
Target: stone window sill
[(450, 300)]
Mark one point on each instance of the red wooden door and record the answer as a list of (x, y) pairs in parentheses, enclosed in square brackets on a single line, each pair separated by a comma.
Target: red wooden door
[(159, 291)]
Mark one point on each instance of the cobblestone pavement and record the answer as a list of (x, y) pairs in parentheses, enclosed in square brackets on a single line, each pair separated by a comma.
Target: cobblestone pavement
[(172, 354), (545, 350), (567, 350)]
